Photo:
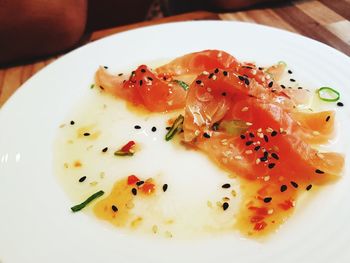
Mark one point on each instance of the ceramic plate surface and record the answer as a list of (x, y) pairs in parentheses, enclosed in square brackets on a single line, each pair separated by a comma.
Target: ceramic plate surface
[(35, 224)]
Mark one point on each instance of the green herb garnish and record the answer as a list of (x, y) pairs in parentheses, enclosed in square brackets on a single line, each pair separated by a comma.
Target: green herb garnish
[(175, 128), (234, 127), (77, 208), (328, 94), (92, 86), (122, 153), (183, 84)]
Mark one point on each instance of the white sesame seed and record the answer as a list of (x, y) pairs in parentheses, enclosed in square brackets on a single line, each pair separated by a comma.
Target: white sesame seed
[(245, 109), (259, 130), (315, 133), (205, 73), (238, 157), (214, 77), (209, 89), (270, 211), (248, 151), (249, 123), (197, 132), (266, 178), (219, 54), (269, 129), (257, 161)]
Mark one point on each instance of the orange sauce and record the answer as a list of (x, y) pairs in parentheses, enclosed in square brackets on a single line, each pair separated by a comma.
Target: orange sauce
[(116, 207)]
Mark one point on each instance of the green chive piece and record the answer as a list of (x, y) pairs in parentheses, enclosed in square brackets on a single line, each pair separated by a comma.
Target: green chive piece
[(183, 84), (328, 94), (175, 128), (92, 86), (77, 208), (234, 127), (122, 153)]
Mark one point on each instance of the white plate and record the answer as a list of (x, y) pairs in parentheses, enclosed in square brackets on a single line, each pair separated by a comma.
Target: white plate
[(35, 224)]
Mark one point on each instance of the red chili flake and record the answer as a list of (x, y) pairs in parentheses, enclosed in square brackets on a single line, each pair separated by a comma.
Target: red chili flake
[(260, 226), (127, 147), (132, 179), (259, 210), (286, 205), (255, 219), (148, 188)]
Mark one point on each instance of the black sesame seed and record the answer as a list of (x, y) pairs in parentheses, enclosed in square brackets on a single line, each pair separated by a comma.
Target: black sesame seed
[(105, 67), (223, 94), (225, 206), (226, 186), (294, 184), (257, 148), (206, 135), (251, 135), (267, 199), (140, 183), (289, 71), (141, 82), (300, 87), (292, 80), (283, 87), (225, 73), (308, 188), (266, 154), (248, 143), (105, 149), (154, 129), (86, 134), (270, 84), (168, 128), (134, 191), (340, 104), (260, 68), (198, 81), (242, 137), (215, 126), (137, 127), (72, 122), (164, 78), (165, 187), (82, 179), (120, 74), (114, 208), (283, 188), (271, 165), (216, 70), (143, 70), (318, 171), (241, 78), (149, 78), (328, 117), (211, 75), (263, 159), (246, 81), (273, 133), (266, 139), (274, 155)]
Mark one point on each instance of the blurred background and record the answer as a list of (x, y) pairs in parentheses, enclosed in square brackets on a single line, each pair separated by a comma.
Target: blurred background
[(34, 28)]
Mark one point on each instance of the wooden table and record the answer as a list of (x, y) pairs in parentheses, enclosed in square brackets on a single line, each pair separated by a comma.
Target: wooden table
[(324, 20)]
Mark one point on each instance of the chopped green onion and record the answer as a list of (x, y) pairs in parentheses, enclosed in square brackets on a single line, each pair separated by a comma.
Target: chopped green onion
[(77, 208), (122, 153), (183, 84), (328, 94), (234, 127), (92, 86), (176, 127)]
